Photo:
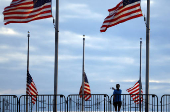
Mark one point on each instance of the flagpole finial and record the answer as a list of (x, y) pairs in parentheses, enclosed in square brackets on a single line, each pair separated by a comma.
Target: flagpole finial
[(83, 37), (28, 34)]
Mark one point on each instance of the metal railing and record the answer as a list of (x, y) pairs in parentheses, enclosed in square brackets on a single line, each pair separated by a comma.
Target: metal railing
[(97, 102), (165, 103), (8, 103), (131, 103), (43, 103)]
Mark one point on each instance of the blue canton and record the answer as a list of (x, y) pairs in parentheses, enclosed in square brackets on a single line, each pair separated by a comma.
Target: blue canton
[(38, 3), (29, 78), (126, 2), (85, 78)]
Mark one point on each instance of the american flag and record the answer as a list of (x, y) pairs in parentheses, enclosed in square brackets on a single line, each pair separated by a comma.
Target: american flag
[(124, 11), (135, 90), (86, 88), (31, 88), (24, 11)]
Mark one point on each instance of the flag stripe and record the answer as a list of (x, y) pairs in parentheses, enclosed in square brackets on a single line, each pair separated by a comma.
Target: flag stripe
[(31, 88), (26, 17), (17, 4), (24, 5), (119, 21), (120, 14), (123, 10), (87, 90), (28, 20), (134, 91), (24, 11), (31, 12), (117, 6), (21, 9), (14, 2)]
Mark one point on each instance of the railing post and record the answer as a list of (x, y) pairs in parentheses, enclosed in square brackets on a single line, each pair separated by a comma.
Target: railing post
[(18, 104), (161, 103), (67, 104), (157, 104), (3, 110), (104, 102)]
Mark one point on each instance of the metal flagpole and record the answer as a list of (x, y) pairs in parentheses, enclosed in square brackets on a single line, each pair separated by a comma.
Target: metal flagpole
[(27, 73), (147, 55), (83, 75), (140, 84), (56, 56)]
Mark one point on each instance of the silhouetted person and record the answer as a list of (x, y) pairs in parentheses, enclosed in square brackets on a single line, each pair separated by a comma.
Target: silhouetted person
[(117, 97)]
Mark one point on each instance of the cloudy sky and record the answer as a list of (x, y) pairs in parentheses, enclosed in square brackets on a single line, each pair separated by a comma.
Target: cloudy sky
[(111, 57)]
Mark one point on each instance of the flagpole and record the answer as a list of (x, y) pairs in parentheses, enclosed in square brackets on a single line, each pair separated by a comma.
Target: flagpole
[(83, 75), (56, 56), (27, 72), (147, 55), (140, 82)]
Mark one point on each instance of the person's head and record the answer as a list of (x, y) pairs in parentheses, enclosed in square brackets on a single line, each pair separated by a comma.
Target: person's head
[(117, 86)]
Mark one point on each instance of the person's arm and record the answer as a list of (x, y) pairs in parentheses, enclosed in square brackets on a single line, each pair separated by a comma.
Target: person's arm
[(113, 88)]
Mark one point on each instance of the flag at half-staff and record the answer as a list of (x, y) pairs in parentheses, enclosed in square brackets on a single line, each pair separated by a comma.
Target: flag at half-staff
[(134, 92), (31, 88), (24, 11), (87, 90), (124, 11)]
